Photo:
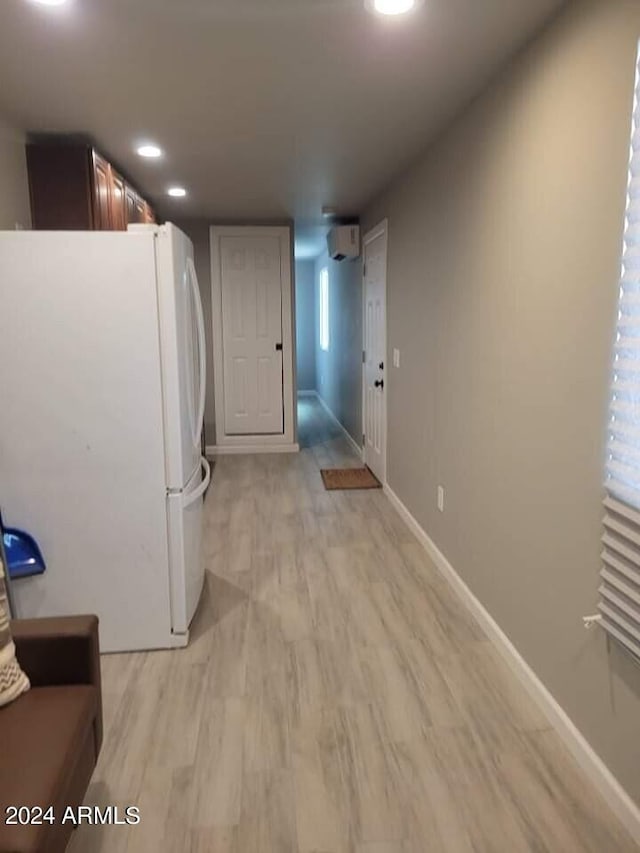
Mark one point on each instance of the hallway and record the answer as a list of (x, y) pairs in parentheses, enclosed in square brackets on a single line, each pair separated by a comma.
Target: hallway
[(336, 697), (321, 435)]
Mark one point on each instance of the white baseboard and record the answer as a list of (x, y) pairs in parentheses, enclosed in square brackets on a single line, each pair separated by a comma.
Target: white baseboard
[(354, 445), (611, 790), (237, 449)]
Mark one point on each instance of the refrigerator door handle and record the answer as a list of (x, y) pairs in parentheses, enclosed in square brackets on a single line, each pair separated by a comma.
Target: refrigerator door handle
[(202, 349), (196, 494)]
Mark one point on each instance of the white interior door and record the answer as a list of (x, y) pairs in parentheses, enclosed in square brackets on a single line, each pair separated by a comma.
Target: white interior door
[(251, 284), (375, 346)]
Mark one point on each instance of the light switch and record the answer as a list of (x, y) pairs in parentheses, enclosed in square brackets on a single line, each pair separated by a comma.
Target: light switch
[(396, 358)]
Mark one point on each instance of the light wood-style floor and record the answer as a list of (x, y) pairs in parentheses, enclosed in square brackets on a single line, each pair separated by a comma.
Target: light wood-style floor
[(336, 697)]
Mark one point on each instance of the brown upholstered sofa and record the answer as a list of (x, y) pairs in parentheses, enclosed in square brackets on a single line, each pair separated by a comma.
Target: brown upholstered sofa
[(51, 736)]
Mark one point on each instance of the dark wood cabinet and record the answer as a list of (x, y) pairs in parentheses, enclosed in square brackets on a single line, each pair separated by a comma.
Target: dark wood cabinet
[(73, 187), (118, 202), (137, 209), (148, 214), (101, 195), (131, 201), (60, 182)]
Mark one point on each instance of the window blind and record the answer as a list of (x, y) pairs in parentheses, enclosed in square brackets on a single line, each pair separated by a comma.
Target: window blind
[(619, 590)]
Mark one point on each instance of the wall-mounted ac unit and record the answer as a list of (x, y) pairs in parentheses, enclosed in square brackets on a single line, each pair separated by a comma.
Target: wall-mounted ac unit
[(343, 242)]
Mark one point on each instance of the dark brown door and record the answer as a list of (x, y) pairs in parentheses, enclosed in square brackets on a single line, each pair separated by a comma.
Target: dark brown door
[(102, 194), (132, 205), (141, 207), (149, 215), (118, 203), (61, 184)]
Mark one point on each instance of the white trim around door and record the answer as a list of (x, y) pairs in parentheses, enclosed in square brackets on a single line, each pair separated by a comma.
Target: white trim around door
[(376, 461), (276, 443)]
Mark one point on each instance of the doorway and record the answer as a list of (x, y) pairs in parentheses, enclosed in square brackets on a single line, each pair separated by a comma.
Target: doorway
[(329, 333), (306, 320), (253, 348)]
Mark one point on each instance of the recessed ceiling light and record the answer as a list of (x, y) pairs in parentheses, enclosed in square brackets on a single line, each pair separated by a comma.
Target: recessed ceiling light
[(392, 8), (149, 151), (177, 192)]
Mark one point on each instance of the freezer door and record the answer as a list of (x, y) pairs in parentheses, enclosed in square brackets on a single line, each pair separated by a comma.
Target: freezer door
[(186, 536), (82, 461), (182, 335)]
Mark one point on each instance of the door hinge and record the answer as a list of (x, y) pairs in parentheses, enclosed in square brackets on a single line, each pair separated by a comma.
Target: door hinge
[(363, 439), (364, 357), (364, 271)]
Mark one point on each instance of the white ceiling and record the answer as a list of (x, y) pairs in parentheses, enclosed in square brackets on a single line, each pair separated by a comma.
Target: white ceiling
[(266, 108)]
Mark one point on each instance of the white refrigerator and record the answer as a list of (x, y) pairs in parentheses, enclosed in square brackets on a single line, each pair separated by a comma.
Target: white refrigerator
[(102, 394)]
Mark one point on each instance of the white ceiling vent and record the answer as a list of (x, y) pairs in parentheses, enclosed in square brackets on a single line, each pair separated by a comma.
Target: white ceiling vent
[(344, 242)]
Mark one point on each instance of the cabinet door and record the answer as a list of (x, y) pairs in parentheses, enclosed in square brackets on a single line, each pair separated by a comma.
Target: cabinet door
[(102, 194), (61, 186), (141, 210), (118, 202), (149, 215), (135, 206), (131, 204)]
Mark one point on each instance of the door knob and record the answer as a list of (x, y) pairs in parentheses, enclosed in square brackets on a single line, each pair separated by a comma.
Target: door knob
[(381, 365), (379, 383)]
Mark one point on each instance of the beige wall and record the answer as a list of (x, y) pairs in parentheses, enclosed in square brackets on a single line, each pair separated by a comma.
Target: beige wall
[(504, 256), (14, 187)]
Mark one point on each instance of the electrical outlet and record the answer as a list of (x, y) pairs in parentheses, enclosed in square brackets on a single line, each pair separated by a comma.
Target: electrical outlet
[(441, 498), (396, 358)]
